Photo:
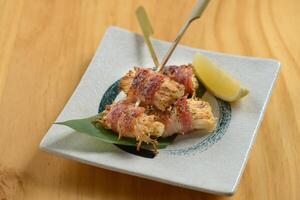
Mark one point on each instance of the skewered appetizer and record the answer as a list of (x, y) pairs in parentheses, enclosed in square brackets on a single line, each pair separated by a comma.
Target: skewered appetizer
[(160, 104), (185, 116), (164, 96), (130, 121), (151, 88), (184, 75), (147, 126)]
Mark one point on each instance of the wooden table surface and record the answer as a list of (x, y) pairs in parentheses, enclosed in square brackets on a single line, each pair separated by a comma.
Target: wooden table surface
[(46, 45)]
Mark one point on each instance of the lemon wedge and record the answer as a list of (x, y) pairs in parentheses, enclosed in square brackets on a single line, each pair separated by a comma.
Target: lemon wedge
[(217, 81)]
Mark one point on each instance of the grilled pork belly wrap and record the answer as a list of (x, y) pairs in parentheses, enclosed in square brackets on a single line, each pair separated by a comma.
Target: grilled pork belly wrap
[(187, 115), (130, 121), (184, 75), (151, 88)]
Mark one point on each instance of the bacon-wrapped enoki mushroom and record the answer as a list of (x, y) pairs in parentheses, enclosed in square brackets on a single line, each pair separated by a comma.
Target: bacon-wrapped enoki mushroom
[(128, 120), (187, 115), (151, 88), (184, 75)]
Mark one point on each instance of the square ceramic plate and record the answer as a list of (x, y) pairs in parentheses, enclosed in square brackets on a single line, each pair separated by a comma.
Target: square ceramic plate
[(212, 163)]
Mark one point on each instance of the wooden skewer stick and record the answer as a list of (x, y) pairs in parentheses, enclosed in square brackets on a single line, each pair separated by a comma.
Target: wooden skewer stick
[(147, 31), (196, 14)]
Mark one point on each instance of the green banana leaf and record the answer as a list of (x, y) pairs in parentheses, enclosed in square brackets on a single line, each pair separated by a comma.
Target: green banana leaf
[(87, 126)]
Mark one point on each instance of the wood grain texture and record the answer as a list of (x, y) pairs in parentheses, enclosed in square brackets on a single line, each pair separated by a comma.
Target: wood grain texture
[(46, 45)]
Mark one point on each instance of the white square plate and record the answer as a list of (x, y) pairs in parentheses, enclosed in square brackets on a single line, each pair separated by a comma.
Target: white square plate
[(212, 163)]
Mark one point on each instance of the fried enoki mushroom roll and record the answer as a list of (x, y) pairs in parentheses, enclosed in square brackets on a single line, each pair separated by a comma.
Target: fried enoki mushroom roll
[(187, 115), (130, 121), (151, 88), (184, 75)]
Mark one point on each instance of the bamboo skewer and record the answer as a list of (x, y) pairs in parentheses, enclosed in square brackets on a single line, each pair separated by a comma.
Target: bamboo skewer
[(147, 31), (196, 14)]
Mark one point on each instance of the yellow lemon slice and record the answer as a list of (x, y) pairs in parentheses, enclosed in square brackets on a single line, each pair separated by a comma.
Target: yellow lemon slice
[(217, 81)]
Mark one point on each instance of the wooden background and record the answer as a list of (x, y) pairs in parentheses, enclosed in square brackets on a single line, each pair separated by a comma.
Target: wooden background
[(46, 45)]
